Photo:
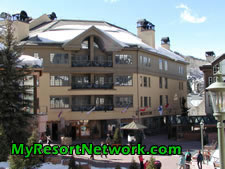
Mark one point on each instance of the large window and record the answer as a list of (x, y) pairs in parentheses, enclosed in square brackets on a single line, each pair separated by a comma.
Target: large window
[(149, 82), (149, 102), (181, 70), (216, 68), (145, 101), (59, 58), (166, 83), (124, 59), (124, 80), (160, 82), (145, 82), (161, 100), (59, 80), (165, 65), (59, 102), (167, 99), (145, 60), (124, 101), (160, 64)]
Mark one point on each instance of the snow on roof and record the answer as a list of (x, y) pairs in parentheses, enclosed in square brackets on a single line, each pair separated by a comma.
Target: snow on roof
[(30, 61), (65, 33), (170, 54)]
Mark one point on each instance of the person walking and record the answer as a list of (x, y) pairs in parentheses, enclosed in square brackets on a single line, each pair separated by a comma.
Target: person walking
[(108, 139), (208, 156), (49, 140), (102, 143), (199, 159), (182, 162), (141, 159), (188, 159), (146, 164)]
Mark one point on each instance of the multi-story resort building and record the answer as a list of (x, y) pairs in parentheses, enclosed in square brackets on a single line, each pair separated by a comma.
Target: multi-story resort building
[(97, 75)]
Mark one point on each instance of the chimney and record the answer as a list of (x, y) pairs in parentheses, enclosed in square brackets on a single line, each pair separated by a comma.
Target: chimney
[(165, 43), (146, 32), (42, 19), (210, 56)]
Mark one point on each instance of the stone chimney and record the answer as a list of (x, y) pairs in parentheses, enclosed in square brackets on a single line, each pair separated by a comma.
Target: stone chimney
[(165, 43), (146, 32), (210, 56), (42, 19)]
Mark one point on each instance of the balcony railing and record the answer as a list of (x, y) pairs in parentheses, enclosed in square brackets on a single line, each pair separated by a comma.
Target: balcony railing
[(92, 86), (87, 108), (89, 63)]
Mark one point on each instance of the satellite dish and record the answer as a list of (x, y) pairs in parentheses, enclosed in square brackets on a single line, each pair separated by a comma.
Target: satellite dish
[(52, 16), (23, 16), (4, 15)]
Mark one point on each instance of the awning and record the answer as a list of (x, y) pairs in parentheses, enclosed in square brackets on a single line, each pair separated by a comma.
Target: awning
[(133, 126)]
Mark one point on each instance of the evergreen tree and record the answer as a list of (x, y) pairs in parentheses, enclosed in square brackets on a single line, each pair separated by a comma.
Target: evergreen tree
[(33, 160), (117, 139), (16, 162), (3, 145), (133, 165), (72, 164), (13, 116), (151, 164)]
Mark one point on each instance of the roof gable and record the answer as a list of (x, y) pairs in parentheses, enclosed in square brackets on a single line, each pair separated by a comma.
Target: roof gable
[(109, 43)]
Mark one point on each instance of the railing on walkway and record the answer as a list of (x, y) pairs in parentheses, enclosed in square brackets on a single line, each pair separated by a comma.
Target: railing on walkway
[(90, 63), (87, 108), (91, 86)]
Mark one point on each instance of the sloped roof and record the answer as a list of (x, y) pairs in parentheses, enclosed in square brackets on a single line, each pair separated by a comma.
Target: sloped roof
[(63, 31)]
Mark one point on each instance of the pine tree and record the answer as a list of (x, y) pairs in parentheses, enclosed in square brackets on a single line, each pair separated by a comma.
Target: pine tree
[(33, 160), (117, 139), (3, 145), (151, 164), (16, 162), (133, 165), (13, 117)]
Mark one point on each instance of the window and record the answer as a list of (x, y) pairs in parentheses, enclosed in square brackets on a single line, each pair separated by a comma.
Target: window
[(59, 80), (160, 64), (216, 68), (141, 101), (166, 83), (149, 82), (59, 58), (59, 102), (36, 55), (145, 61), (123, 101), (141, 59), (161, 100), (160, 82), (167, 99), (145, 82), (165, 65), (141, 81), (124, 80), (210, 80), (149, 101), (145, 101), (181, 70), (149, 62), (124, 59)]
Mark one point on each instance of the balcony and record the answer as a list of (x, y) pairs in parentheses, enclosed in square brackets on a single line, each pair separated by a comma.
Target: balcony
[(91, 86), (89, 107), (89, 63)]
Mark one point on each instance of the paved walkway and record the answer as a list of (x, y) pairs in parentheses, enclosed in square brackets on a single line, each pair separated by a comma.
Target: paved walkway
[(168, 162)]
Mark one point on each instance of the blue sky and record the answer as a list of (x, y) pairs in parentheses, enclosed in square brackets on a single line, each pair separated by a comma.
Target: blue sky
[(194, 26)]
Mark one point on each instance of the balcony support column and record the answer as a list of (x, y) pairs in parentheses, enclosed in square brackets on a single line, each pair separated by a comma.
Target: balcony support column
[(92, 53)]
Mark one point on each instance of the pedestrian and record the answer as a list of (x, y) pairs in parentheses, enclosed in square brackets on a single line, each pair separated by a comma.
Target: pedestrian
[(141, 159), (182, 162), (208, 156), (49, 140), (199, 159), (129, 139), (92, 156), (157, 164), (146, 164), (102, 143), (108, 139), (188, 156)]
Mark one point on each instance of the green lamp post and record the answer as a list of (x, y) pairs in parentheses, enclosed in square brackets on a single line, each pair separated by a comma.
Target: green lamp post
[(217, 94)]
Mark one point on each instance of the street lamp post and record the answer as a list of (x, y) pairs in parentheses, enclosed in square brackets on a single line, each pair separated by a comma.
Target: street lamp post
[(202, 137), (217, 94)]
